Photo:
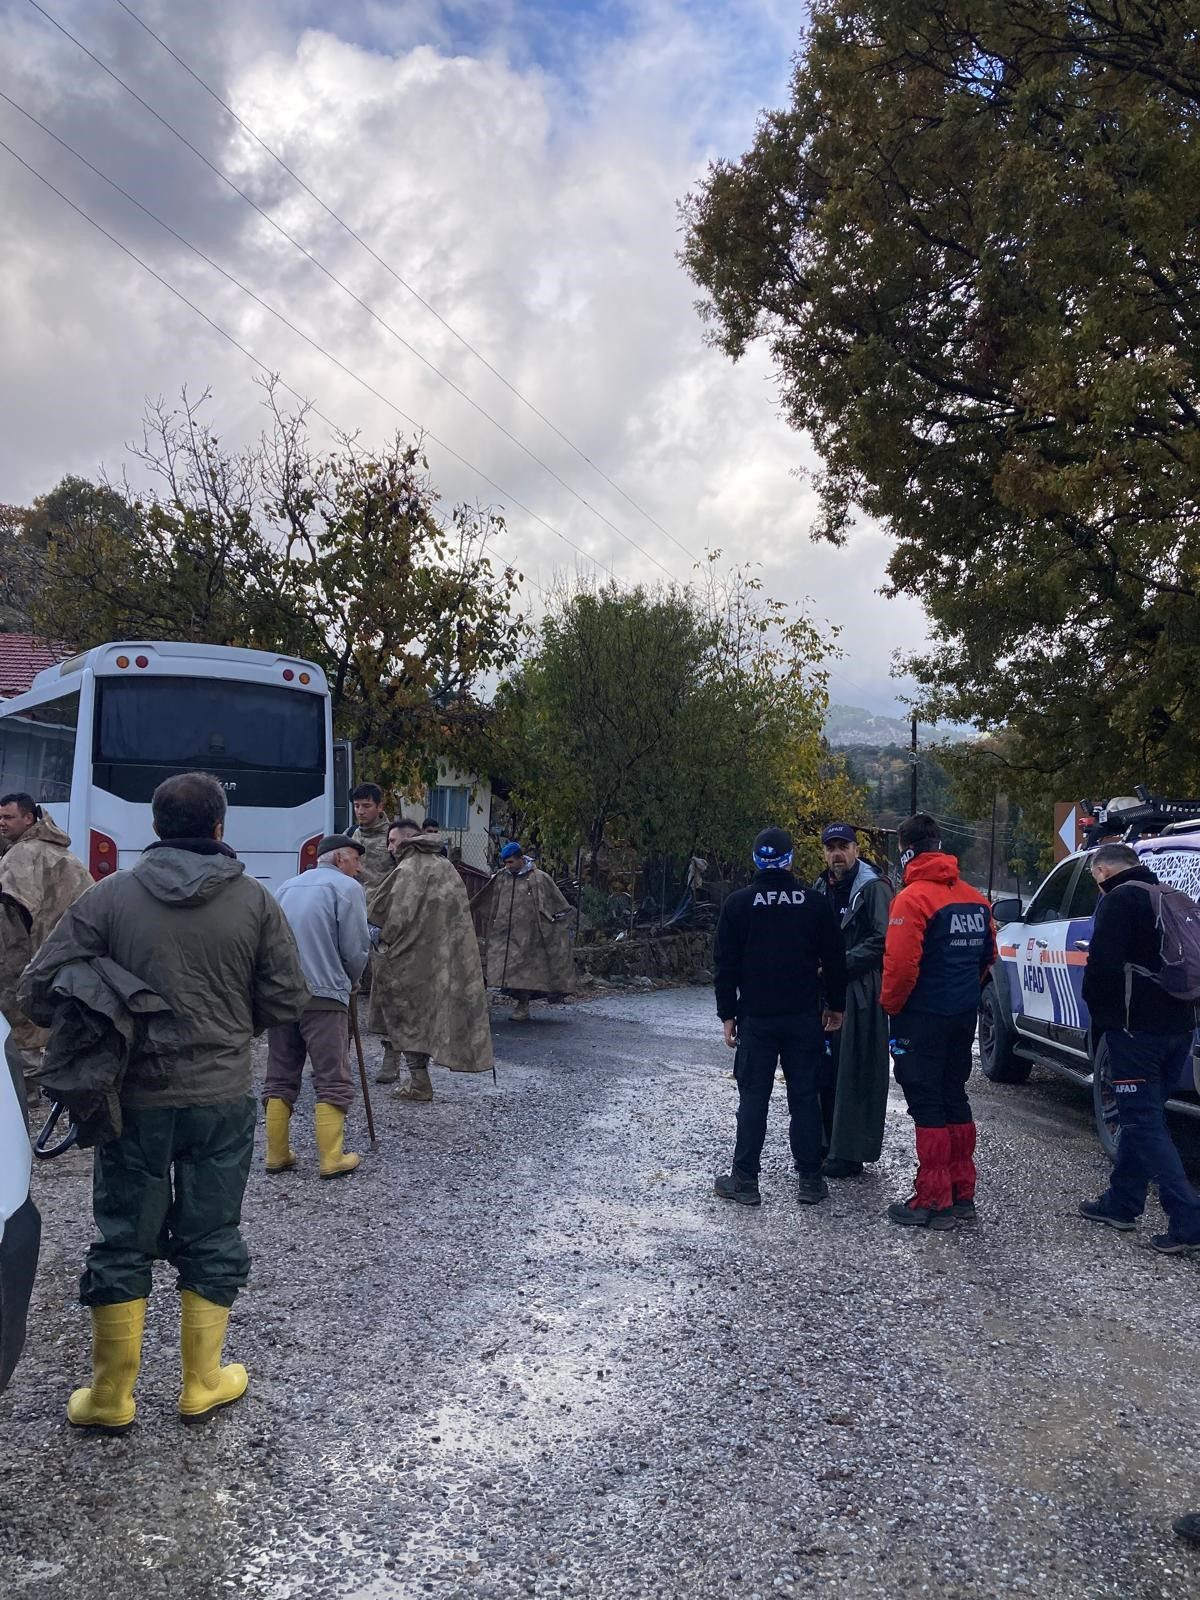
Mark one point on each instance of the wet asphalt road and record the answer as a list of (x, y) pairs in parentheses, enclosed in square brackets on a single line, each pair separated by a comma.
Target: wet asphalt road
[(524, 1351)]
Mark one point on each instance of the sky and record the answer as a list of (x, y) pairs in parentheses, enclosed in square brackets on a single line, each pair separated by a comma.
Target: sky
[(519, 166)]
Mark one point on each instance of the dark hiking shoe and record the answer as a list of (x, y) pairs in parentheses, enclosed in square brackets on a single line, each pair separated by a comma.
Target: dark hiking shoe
[(1188, 1527), (1101, 1211), (906, 1215), (811, 1191), (730, 1187), (1170, 1244), (836, 1168), (964, 1213)]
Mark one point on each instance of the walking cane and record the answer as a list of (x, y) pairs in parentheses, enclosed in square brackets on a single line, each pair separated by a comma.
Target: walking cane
[(362, 1066)]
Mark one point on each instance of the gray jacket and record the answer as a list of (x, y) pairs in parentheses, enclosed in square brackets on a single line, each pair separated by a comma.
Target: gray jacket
[(208, 940), (327, 913)]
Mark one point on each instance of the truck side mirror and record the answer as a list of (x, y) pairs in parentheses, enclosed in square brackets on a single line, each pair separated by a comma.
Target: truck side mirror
[(1007, 909)]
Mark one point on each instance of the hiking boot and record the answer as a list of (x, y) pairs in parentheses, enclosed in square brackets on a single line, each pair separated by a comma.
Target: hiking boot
[(965, 1213), (521, 1013), (389, 1071), (835, 1167), (741, 1190), (908, 1215), (418, 1087), (1170, 1244), (1101, 1211), (1188, 1526), (811, 1191)]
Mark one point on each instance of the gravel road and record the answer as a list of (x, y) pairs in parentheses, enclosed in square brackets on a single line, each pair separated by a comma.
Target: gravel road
[(525, 1351)]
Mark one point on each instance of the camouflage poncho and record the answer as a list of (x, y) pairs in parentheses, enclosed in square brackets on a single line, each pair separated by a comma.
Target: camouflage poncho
[(39, 879), (428, 995), (527, 948), (377, 864)]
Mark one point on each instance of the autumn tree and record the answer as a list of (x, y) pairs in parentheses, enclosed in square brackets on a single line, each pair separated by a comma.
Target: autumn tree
[(971, 245), (344, 556), (672, 720)]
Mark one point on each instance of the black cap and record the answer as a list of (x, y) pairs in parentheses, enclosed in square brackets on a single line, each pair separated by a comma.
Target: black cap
[(772, 844), (839, 831), (339, 841)]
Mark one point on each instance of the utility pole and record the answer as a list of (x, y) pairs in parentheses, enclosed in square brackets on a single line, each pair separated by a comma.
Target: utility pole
[(992, 846), (913, 798)]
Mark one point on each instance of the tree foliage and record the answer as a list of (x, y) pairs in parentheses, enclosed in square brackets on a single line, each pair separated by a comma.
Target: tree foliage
[(971, 245), (344, 557), (670, 720)]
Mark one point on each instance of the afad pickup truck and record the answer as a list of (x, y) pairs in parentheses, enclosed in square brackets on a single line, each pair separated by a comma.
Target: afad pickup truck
[(1031, 1009)]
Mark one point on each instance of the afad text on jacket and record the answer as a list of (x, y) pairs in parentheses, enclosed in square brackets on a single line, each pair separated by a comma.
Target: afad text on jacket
[(941, 941), (778, 947)]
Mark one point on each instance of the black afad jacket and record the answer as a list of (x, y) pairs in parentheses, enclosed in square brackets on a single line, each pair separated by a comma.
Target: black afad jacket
[(1125, 933), (778, 950)]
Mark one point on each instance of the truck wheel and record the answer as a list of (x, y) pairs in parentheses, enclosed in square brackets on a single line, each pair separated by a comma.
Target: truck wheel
[(996, 1041), (1104, 1102)]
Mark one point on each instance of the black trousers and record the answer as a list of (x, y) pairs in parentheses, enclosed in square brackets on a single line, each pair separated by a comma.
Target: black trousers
[(798, 1046), (931, 1058)]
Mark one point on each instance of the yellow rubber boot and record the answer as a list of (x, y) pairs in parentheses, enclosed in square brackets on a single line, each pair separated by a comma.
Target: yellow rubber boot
[(280, 1155), (108, 1406), (331, 1130), (207, 1385)]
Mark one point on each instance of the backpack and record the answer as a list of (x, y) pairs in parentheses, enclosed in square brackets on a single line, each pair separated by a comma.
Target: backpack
[(1177, 918)]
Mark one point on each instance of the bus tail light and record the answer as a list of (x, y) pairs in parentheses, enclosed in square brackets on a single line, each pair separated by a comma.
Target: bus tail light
[(308, 854), (102, 855)]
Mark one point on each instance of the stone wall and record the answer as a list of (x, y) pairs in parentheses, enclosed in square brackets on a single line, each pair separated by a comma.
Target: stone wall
[(675, 958)]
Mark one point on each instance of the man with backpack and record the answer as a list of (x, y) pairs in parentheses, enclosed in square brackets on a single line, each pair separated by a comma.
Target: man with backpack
[(1127, 988)]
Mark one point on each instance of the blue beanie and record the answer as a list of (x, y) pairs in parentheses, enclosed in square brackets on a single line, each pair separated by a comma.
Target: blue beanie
[(509, 851)]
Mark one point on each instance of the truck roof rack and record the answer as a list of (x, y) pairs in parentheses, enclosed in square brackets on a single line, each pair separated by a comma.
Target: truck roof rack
[(1151, 814)]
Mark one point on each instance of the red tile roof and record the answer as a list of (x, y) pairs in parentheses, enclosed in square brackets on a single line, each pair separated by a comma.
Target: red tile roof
[(22, 657)]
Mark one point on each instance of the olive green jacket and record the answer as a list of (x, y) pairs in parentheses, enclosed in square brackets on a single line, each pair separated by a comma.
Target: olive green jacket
[(210, 941)]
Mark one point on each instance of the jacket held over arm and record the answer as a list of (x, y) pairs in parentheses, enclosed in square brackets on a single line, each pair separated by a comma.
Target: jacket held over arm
[(209, 941)]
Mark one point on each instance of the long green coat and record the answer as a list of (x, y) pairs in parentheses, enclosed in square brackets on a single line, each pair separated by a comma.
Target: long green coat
[(863, 1067)]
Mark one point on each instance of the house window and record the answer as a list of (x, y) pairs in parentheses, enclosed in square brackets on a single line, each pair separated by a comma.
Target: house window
[(450, 807)]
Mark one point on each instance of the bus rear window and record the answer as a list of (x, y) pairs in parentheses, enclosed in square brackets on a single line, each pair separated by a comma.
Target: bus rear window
[(208, 724)]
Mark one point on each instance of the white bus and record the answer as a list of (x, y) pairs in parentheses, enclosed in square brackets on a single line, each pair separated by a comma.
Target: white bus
[(95, 735)]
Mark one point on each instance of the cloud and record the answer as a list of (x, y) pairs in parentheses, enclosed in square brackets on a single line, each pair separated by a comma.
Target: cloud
[(520, 167)]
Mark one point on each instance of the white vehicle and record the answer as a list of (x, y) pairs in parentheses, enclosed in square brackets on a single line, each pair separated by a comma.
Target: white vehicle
[(95, 735), (20, 1225)]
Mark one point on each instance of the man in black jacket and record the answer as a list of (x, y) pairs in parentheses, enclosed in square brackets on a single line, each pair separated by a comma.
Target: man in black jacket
[(778, 949), (1149, 1036)]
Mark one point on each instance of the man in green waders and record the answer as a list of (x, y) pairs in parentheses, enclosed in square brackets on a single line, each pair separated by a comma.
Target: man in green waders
[(212, 942)]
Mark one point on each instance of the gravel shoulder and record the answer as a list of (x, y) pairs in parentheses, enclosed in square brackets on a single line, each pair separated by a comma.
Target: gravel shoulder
[(525, 1351)]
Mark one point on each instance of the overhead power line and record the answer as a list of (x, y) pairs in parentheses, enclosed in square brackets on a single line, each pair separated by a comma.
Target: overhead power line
[(403, 282), (345, 288), (249, 354)]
